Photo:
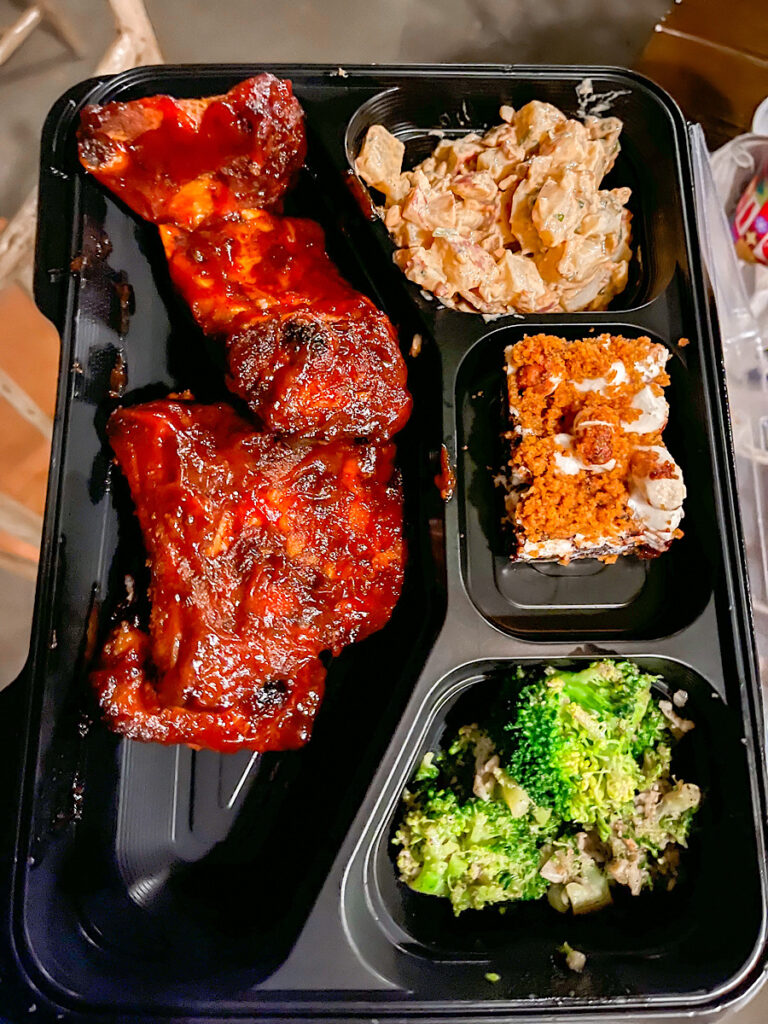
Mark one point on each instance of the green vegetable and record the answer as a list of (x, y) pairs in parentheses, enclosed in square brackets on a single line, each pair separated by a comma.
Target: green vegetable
[(574, 958), (577, 741), (474, 851), (493, 977), (562, 789)]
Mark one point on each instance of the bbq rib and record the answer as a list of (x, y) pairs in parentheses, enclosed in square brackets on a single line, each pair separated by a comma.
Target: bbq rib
[(264, 554), (309, 354), (181, 161), (266, 550)]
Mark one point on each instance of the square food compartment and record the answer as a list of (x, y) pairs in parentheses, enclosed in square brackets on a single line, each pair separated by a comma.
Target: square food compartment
[(697, 940), (633, 598), (647, 162)]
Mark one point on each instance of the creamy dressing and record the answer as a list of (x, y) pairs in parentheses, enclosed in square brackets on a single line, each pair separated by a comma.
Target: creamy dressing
[(652, 365), (559, 549), (660, 524), (547, 549), (657, 504), (667, 493), (582, 424), (617, 374), (565, 461)]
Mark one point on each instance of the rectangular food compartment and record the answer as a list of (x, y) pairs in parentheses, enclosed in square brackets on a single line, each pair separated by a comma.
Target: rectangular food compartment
[(158, 864), (696, 940), (419, 117), (146, 881), (634, 598)]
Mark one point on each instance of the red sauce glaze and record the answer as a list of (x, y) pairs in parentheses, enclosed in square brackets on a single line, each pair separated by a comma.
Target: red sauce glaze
[(233, 271), (309, 354), (182, 160), (263, 553), (445, 481)]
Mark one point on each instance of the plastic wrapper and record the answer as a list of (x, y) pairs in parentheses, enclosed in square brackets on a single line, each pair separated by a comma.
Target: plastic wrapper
[(741, 294)]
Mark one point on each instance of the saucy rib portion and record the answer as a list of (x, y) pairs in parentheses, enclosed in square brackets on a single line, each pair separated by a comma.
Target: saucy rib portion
[(267, 551), (264, 554), (310, 354), (307, 352), (180, 161)]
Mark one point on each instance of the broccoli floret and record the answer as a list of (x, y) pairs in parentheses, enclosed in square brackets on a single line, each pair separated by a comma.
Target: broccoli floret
[(585, 742), (473, 852)]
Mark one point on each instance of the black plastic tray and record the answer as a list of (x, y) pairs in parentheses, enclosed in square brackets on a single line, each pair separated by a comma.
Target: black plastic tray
[(142, 882)]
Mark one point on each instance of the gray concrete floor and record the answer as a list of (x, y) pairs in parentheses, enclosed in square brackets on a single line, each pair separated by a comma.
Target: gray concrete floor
[(512, 31)]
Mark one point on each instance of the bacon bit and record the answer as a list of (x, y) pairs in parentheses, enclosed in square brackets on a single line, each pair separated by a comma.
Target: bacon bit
[(531, 374), (415, 345), (666, 471), (643, 463), (445, 481), (596, 444), (683, 342)]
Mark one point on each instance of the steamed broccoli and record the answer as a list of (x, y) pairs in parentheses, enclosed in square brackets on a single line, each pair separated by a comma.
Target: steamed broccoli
[(564, 788), (584, 743), (475, 850)]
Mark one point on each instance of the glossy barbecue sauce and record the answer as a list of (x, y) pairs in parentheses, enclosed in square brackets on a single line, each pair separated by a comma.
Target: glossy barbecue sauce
[(264, 552), (310, 354), (204, 170), (184, 160)]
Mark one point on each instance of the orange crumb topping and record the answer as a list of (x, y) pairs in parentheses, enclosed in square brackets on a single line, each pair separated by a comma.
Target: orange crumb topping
[(590, 505)]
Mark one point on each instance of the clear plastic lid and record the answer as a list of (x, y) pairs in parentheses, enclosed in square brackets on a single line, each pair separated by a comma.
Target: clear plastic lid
[(746, 368)]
